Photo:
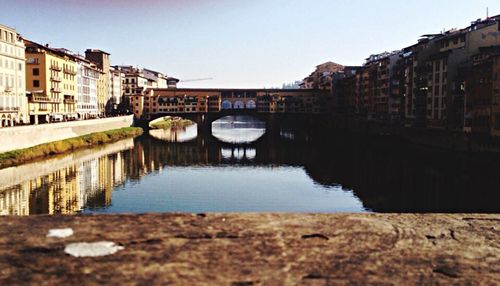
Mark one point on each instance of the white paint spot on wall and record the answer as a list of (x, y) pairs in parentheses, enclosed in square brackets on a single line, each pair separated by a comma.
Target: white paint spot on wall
[(60, 233), (92, 249)]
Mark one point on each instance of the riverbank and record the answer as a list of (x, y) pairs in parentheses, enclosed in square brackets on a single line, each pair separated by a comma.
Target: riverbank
[(255, 249), (21, 156), (21, 137)]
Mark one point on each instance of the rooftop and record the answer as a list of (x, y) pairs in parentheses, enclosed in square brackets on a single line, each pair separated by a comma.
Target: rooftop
[(96, 51)]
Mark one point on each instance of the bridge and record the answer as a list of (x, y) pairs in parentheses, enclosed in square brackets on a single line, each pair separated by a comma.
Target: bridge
[(154, 103)]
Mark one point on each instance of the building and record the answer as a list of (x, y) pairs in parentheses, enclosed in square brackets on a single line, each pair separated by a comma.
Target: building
[(13, 101), (440, 101), (481, 89), (321, 78), (345, 90), (51, 84), (379, 90), (101, 59), (87, 77), (137, 80), (116, 78), (423, 85), (155, 102), (87, 100)]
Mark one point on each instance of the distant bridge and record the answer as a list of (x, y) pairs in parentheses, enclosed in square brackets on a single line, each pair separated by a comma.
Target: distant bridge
[(217, 103)]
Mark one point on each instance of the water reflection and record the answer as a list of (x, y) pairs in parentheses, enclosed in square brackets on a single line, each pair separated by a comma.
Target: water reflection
[(287, 134), (351, 173), (176, 134), (238, 129), (238, 153), (66, 184)]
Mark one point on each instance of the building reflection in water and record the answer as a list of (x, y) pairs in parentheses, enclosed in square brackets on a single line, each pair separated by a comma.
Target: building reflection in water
[(64, 185), (238, 153), (384, 174)]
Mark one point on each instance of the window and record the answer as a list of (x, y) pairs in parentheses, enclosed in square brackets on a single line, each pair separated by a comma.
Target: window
[(36, 71), (36, 83)]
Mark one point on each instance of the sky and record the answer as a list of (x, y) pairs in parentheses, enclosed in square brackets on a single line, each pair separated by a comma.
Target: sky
[(252, 43)]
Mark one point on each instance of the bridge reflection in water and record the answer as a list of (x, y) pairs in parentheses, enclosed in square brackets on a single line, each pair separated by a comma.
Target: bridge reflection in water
[(287, 169)]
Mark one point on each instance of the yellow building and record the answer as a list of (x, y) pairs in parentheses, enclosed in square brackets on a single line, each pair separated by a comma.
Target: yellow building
[(51, 84)]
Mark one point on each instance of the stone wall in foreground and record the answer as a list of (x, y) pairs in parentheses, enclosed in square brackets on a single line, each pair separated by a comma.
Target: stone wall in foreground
[(13, 138), (251, 249)]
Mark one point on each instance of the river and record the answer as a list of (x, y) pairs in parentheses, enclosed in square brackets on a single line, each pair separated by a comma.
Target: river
[(241, 167)]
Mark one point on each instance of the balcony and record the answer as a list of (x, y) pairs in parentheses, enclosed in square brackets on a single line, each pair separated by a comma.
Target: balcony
[(8, 89), (8, 109), (56, 89), (55, 68), (56, 78), (69, 71), (43, 99)]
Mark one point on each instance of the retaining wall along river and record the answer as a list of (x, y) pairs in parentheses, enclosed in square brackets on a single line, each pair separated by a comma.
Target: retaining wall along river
[(13, 138)]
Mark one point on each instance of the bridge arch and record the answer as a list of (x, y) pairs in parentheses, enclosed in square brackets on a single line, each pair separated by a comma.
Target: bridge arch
[(239, 105), (251, 104), (226, 104)]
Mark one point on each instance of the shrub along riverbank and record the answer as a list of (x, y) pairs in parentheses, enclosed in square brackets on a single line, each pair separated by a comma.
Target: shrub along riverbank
[(21, 156), (171, 122)]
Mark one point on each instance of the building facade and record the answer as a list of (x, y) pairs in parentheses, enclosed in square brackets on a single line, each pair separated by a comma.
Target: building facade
[(116, 78), (155, 102), (321, 78), (101, 59), (87, 77), (13, 101), (51, 84)]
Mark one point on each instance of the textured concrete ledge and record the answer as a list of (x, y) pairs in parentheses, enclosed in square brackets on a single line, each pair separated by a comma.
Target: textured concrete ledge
[(256, 249)]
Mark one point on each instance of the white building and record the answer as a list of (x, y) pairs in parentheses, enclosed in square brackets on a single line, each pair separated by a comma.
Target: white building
[(116, 78), (136, 80), (13, 100), (87, 77)]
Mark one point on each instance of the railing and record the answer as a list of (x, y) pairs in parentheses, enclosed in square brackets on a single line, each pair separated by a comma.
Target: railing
[(56, 78), (4, 109), (69, 71), (56, 68), (43, 99), (56, 89), (69, 100)]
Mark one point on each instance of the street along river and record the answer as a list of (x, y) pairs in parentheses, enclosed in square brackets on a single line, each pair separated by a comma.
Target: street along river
[(242, 167)]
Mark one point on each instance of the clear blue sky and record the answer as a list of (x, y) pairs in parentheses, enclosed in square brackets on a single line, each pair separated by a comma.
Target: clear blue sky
[(253, 43)]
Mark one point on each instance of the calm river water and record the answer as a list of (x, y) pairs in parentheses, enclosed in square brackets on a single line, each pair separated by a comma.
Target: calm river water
[(242, 167)]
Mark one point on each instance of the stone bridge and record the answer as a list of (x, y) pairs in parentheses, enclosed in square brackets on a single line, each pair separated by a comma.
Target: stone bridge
[(205, 120)]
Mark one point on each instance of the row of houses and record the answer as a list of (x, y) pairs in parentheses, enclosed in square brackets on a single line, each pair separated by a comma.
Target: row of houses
[(447, 81), (155, 102), (42, 84)]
